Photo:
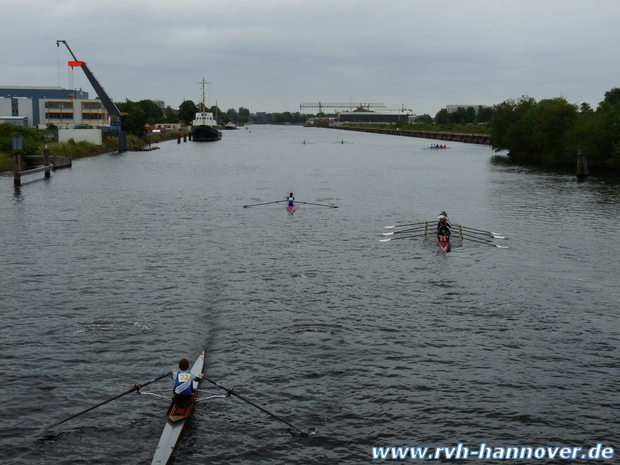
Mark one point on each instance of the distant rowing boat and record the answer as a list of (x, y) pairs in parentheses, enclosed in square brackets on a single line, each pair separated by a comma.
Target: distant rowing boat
[(177, 415)]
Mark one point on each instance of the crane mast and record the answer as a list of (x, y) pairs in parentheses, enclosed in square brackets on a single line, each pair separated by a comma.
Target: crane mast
[(110, 106)]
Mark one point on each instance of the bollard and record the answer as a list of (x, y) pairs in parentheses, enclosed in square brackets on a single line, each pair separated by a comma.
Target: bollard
[(17, 167), (46, 162), (582, 166)]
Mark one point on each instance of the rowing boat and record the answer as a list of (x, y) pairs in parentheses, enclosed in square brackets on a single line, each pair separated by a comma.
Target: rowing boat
[(177, 415), (444, 246), (291, 209)]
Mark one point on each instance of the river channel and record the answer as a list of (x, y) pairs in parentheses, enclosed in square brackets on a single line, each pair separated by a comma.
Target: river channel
[(114, 269)]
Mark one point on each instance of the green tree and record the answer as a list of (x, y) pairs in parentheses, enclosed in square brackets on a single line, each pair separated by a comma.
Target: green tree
[(424, 119), (244, 115), (187, 112), (548, 121), (484, 114), (611, 97), (171, 116), (135, 118), (598, 135), (442, 117), (232, 115), (151, 111), (506, 128)]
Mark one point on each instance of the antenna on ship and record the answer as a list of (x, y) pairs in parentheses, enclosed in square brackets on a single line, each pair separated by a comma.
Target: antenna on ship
[(203, 82)]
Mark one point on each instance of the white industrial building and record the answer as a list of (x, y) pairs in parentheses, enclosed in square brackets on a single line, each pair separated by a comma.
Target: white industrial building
[(43, 105)]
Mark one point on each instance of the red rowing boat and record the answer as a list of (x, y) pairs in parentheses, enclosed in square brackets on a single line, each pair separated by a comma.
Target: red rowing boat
[(291, 209), (444, 246)]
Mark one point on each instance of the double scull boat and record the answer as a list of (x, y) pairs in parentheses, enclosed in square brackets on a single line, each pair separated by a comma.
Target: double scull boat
[(177, 415)]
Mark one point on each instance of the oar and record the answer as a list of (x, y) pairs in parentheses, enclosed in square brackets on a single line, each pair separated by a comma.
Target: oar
[(319, 204), (137, 387), (419, 228), (483, 241), (480, 230), (475, 233), (400, 237), (266, 203), (231, 391), (406, 224)]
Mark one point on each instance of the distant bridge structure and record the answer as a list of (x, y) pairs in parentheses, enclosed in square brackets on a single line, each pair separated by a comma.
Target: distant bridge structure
[(350, 106)]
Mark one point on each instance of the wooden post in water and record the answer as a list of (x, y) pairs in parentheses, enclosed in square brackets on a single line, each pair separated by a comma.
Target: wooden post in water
[(17, 160), (46, 162), (17, 167), (582, 166)]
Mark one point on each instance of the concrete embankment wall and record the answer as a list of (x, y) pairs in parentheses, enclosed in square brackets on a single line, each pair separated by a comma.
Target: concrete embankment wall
[(468, 138)]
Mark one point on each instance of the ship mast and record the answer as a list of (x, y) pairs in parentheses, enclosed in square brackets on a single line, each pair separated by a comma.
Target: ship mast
[(204, 107)]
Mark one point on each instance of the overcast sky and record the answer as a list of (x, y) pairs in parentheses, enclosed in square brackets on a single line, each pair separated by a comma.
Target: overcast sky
[(273, 55)]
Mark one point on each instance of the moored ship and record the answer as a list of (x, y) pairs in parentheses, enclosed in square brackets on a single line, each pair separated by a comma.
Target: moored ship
[(205, 127)]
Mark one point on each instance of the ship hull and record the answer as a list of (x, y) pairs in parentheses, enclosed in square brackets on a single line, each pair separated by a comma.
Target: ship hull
[(205, 133)]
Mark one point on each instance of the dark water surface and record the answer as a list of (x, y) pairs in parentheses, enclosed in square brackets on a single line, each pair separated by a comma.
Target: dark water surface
[(114, 269)]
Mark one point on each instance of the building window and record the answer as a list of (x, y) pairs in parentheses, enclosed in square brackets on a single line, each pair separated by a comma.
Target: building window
[(68, 105), (55, 116)]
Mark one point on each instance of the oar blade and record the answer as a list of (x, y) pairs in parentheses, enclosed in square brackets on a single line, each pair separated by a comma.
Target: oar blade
[(231, 392), (264, 203), (420, 223), (133, 389), (319, 204)]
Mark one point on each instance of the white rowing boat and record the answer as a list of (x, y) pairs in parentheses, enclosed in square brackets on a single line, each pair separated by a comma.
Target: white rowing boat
[(177, 415)]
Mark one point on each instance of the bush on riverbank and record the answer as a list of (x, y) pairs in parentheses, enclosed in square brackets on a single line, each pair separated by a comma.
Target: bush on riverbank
[(35, 140), (437, 128)]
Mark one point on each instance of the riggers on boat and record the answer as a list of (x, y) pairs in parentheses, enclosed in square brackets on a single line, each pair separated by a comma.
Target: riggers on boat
[(177, 415)]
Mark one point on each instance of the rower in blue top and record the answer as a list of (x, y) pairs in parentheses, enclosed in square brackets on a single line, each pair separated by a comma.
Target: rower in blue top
[(291, 200), (183, 379)]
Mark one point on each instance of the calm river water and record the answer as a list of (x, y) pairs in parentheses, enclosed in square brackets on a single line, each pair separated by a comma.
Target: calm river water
[(114, 269)]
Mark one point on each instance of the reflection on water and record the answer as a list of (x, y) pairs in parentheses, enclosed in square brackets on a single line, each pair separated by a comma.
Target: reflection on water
[(123, 264)]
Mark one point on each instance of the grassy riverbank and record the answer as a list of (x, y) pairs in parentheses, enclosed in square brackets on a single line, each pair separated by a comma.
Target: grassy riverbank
[(435, 128), (85, 149)]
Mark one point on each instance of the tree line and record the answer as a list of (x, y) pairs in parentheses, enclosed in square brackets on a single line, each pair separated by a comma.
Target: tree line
[(551, 128), (556, 129), (138, 115)]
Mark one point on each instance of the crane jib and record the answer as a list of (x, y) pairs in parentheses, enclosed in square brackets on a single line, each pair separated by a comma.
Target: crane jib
[(109, 105)]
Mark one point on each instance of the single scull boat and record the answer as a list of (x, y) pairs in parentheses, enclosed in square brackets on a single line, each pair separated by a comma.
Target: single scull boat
[(178, 413)]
